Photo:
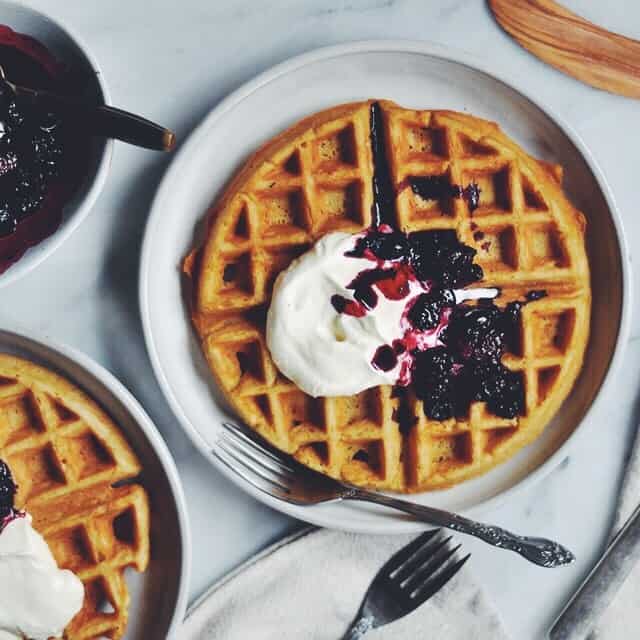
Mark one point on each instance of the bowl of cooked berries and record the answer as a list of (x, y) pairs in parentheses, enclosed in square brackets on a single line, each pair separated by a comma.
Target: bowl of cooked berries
[(51, 169)]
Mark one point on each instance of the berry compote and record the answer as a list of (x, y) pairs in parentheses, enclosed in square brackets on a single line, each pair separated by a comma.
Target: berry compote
[(451, 353), (41, 161), (7, 495)]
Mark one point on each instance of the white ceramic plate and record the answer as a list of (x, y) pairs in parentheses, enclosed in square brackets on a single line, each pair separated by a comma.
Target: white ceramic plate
[(67, 48), (416, 75), (159, 596)]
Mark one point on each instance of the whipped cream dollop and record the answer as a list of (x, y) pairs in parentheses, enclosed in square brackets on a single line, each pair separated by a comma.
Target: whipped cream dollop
[(327, 353), (37, 599)]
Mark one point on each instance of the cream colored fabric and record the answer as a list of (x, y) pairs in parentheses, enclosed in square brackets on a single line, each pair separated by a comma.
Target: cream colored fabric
[(311, 588)]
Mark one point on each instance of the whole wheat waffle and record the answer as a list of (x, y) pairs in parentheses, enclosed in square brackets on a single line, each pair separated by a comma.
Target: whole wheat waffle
[(65, 455), (317, 177)]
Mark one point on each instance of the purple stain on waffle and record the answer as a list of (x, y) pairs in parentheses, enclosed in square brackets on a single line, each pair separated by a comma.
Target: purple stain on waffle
[(438, 187)]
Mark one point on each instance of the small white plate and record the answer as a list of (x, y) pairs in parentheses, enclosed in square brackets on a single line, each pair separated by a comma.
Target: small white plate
[(159, 596), (67, 48), (414, 74)]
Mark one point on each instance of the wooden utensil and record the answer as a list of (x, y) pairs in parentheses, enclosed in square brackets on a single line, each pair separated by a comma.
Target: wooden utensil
[(581, 49)]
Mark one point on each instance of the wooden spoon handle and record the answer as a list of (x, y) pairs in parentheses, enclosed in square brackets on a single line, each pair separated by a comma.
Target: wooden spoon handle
[(601, 58)]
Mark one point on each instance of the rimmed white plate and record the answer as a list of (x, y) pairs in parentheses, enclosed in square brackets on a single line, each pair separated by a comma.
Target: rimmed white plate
[(158, 596), (414, 74)]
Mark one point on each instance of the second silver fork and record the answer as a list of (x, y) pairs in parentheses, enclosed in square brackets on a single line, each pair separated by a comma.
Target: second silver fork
[(282, 477)]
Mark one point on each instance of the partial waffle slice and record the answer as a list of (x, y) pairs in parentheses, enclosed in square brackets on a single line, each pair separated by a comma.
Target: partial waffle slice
[(66, 455), (317, 176), (98, 537)]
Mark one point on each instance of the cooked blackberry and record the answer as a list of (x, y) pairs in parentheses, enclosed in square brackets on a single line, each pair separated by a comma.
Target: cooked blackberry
[(509, 402), (433, 382), (427, 309), (439, 406), (477, 333), (440, 257)]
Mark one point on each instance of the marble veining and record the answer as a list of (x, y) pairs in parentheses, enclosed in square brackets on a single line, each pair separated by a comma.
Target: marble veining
[(174, 61)]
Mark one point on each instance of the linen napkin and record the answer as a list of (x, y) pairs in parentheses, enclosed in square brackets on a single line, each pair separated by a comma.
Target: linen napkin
[(310, 587), (620, 620)]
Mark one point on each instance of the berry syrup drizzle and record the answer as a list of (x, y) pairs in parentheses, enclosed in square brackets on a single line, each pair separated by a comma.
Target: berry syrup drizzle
[(449, 352)]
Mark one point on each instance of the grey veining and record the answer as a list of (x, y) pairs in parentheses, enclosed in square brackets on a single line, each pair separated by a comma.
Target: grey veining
[(172, 62)]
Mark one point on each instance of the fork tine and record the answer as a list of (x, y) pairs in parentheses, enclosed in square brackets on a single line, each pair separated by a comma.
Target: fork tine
[(422, 560), (428, 569), (255, 455), (398, 560), (423, 593), (252, 480), (257, 471), (238, 433)]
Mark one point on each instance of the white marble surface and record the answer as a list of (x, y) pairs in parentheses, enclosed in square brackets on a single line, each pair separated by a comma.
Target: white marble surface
[(173, 61)]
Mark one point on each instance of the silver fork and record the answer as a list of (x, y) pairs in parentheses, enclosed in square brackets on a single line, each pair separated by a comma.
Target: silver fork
[(281, 476), (407, 580)]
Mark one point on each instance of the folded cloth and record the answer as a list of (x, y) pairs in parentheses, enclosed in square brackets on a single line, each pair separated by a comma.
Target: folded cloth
[(310, 586), (620, 620)]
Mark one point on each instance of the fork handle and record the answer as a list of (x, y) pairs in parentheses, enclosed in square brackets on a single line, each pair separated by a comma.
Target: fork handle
[(359, 627), (540, 551)]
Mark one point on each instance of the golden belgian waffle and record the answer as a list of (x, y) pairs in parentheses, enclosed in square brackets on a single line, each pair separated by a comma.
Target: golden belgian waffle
[(65, 455), (317, 177)]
